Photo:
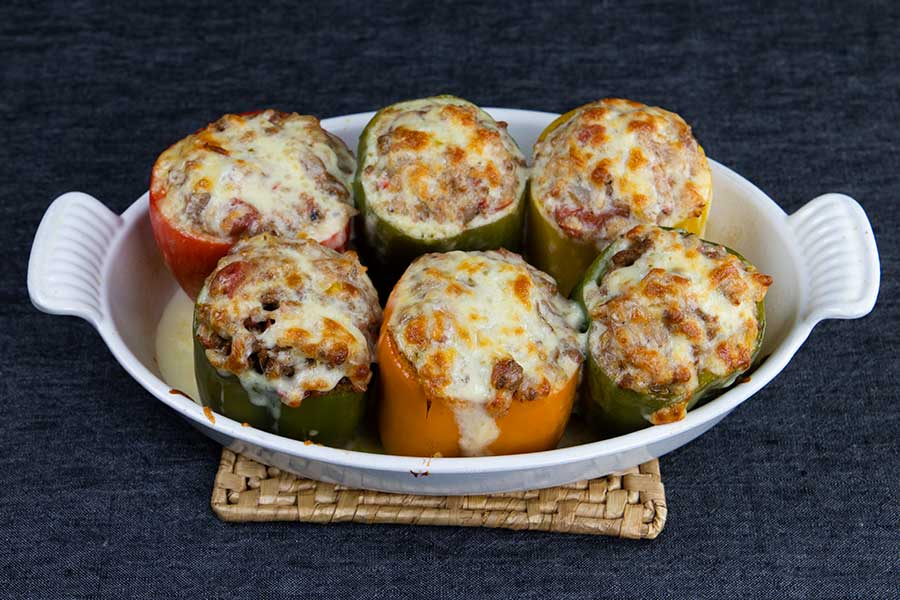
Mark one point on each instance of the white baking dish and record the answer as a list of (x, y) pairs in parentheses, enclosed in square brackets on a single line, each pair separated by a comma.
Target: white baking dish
[(89, 262)]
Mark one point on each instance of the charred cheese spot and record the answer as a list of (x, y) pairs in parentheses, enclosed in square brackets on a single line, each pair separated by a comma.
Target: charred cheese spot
[(474, 348), (434, 370), (289, 318), (636, 159), (592, 135), (522, 288), (267, 172), (436, 167), (615, 164), (638, 125), (459, 114), (670, 311), (416, 331), (454, 289), (482, 139), (456, 154), (601, 175), (408, 139)]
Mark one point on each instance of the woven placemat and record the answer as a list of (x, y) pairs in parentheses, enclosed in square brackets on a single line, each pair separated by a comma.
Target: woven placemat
[(631, 504)]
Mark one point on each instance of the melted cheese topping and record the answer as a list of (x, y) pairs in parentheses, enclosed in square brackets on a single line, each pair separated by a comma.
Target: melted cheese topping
[(672, 312), (484, 329), (267, 172), (289, 319), (615, 164), (438, 166)]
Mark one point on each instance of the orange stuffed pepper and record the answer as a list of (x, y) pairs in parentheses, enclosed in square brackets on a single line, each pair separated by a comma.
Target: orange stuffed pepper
[(478, 355)]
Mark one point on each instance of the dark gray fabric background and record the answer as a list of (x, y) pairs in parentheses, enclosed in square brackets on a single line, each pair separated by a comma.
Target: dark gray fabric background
[(104, 492)]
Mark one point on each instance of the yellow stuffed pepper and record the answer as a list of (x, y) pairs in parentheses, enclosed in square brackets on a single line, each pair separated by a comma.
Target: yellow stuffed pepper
[(603, 168)]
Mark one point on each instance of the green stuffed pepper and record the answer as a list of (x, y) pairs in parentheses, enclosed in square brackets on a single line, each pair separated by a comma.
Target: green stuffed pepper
[(672, 318), (437, 174), (603, 168), (284, 334)]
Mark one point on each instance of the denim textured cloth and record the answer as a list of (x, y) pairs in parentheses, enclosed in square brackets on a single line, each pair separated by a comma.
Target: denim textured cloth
[(104, 492)]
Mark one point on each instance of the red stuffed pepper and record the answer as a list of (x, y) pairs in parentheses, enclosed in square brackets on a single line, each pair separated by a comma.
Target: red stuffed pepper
[(243, 175)]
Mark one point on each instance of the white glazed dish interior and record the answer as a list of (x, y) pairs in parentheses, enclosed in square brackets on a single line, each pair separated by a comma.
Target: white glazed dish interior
[(88, 262)]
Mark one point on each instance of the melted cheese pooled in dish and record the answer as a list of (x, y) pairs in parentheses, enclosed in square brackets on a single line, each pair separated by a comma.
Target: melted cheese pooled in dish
[(266, 172), (616, 164), (289, 318), (484, 329), (439, 166), (673, 311)]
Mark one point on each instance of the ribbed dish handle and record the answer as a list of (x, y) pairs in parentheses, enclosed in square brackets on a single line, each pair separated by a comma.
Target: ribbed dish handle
[(67, 258), (840, 258)]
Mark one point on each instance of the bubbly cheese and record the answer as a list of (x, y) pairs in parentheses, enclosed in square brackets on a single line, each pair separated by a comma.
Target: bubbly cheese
[(439, 166), (673, 310), (266, 172), (615, 164), (484, 329), (289, 318)]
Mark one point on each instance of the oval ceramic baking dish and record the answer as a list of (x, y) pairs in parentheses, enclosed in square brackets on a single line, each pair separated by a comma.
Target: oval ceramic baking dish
[(89, 262)]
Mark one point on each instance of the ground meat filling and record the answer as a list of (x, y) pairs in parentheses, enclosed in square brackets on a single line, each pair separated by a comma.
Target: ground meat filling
[(290, 319), (507, 374), (615, 164), (672, 313), (248, 174), (438, 166)]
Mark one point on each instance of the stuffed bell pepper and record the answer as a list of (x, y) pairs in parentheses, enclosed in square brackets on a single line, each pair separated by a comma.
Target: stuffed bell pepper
[(672, 318), (603, 168), (267, 171), (284, 335), (478, 355), (438, 174)]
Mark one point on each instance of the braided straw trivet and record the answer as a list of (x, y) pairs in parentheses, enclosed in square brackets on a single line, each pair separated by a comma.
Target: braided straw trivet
[(629, 505)]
